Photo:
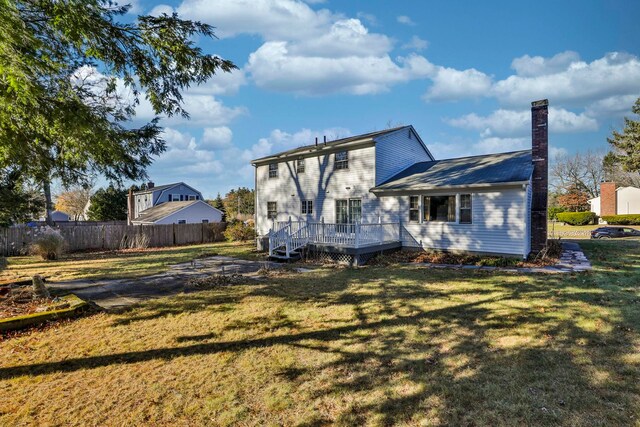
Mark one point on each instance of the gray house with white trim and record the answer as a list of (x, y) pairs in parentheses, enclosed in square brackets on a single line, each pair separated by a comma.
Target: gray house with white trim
[(385, 189)]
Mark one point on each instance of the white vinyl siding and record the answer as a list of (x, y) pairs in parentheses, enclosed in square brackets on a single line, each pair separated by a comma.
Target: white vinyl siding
[(499, 225), (395, 152), (320, 183), (193, 214)]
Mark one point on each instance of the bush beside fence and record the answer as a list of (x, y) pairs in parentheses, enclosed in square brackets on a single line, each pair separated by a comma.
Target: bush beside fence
[(627, 219), (577, 218), (16, 240)]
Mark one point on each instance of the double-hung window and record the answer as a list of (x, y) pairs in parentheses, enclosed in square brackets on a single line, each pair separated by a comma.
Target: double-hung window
[(272, 210), (273, 170), (414, 208), (306, 207), (342, 160), (300, 166), (465, 209)]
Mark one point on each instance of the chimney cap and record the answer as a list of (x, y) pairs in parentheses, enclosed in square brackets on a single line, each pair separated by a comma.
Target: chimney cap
[(540, 103)]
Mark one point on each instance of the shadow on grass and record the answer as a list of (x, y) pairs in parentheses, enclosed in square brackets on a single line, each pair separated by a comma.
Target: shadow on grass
[(454, 348)]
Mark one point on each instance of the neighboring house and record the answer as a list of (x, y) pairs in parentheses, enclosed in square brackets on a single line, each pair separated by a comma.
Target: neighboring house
[(384, 189), (152, 196), (616, 201), (185, 212)]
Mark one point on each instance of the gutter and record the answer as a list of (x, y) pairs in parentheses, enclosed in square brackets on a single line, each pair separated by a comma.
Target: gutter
[(413, 190)]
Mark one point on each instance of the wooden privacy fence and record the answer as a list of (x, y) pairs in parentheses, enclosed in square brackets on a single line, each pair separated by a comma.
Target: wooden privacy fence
[(16, 240)]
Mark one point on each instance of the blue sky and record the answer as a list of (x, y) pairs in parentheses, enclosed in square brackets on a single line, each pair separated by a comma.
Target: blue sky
[(463, 73)]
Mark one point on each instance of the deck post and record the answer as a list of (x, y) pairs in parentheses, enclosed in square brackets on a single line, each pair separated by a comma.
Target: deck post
[(287, 245), (270, 242), (322, 222), (357, 234)]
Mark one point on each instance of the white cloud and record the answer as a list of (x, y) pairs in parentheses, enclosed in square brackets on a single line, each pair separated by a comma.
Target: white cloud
[(509, 122), (221, 84), (274, 67), (450, 84), (616, 106), (160, 9), (416, 43), (403, 19), (271, 19), (527, 66), (135, 8), (218, 137), (204, 110), (368, 18), (577, 83)]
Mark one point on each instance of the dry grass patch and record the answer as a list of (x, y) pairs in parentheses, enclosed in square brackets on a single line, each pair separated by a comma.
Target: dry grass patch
[(119, 264), (371, 346)]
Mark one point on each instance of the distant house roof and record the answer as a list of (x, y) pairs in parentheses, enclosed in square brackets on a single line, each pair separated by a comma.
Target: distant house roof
[(476, 171), (332, 145), (157, 188), (163, 210)]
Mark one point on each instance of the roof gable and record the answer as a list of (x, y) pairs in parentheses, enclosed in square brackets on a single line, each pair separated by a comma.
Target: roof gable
[(163, 210)]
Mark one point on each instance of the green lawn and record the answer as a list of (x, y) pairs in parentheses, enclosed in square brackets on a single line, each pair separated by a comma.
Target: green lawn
[(116, 264), (374, 346)]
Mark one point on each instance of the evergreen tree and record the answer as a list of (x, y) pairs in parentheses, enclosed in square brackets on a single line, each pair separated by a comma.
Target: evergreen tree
[(108, 204), (626, 144)]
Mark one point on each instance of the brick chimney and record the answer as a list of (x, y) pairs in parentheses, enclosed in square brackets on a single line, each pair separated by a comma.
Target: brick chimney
[(540, 179), (608, 198), (150, 185)]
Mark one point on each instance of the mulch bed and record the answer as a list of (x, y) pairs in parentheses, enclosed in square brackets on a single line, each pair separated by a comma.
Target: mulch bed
[(20, 300)]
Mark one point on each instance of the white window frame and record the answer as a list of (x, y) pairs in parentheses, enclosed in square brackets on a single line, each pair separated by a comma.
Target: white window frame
[(298, 164), (306, 207), (205, 221), (192, 197), (274, 211), (273, 170), (417, 209), (342, 164), (182, 221), (470, 208)]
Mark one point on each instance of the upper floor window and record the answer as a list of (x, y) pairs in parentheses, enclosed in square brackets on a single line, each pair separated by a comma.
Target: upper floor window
[(192, 197), (439, 208), (175, 197), (414, 208), (465, 209), (272, 210), (205, 221), (300, 166), (182, 221), (306, 207), (273, 170), (342, 160)]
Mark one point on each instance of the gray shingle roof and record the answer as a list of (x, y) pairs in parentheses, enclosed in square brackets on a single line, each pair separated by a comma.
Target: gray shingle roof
[(312, 147), (501, 168), (157, 188), (163, 210)]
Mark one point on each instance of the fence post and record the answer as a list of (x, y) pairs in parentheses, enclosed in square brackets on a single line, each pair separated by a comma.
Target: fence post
[(357, 234), (173, 232)]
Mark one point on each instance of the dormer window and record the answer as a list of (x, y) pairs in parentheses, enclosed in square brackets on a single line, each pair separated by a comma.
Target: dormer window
[(342, 160), (273, 170)]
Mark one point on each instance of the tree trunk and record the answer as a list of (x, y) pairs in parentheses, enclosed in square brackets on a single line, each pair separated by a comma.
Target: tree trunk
[(48, 204)]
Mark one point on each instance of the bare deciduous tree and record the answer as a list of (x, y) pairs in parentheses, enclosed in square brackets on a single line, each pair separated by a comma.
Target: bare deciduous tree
[(582, 171)]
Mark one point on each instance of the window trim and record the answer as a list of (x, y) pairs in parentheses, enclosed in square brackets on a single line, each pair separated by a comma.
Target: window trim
[(470, 209), (416, 209), (274, 211), (192, 197), (298, 169), (273, 170), (182, 221), (306, 207), (451, 216), (205, 221), (341, 164)]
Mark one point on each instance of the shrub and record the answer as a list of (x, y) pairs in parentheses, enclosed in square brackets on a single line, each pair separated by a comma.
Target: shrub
[(553, 212), (577, 218), (48, 244), (239, 231), (629, 219)]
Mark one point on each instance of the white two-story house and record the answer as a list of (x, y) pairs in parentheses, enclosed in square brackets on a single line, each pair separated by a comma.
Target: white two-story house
[(176, 203), (386, 187)]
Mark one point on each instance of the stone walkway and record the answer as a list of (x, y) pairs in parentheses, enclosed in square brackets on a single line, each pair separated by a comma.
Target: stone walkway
[(117, 293), (572, 260)]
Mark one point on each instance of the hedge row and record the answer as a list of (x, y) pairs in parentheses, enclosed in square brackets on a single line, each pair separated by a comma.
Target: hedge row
[(577, 218), (630, 219)]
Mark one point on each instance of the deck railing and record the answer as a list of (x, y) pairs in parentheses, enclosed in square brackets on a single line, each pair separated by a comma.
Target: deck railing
[(291, 235)]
